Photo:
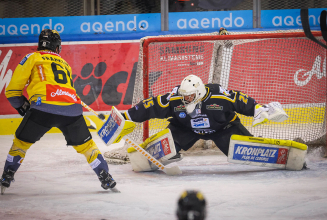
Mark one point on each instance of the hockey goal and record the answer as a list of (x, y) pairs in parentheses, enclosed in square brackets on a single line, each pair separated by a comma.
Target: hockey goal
[(282, 66)]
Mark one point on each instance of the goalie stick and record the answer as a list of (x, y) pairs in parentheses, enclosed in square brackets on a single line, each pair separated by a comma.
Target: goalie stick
[(168, 170), (100, 116)]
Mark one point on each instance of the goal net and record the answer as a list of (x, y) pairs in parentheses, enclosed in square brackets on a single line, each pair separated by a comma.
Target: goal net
[(282, 66)]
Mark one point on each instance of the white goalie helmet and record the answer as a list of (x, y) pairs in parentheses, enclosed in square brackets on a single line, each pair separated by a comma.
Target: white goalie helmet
[(192, 85)]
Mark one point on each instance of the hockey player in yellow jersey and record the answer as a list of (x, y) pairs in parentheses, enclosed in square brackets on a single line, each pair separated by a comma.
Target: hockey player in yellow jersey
[(52, 102)]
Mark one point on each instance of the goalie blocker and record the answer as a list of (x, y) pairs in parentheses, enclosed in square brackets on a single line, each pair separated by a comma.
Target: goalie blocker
[(281, 154)]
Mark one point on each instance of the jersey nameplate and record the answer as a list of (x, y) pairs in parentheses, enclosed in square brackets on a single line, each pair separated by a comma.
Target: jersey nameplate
[(200, 123)]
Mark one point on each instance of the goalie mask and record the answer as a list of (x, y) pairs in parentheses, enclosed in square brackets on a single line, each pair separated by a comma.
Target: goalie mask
[(191, 205), (192, 91), (49, 40)]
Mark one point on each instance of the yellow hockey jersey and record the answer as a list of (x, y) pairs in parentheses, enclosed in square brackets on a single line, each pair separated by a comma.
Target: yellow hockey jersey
[(48, 78)]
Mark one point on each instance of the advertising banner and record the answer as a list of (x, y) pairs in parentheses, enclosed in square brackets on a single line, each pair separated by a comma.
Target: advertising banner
[(138, 23), (289, 18), (100, 24), (103, 74), (211, 20)]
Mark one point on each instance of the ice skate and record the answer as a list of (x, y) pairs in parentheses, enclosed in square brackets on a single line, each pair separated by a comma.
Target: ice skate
[(107, 182), (6, 179)]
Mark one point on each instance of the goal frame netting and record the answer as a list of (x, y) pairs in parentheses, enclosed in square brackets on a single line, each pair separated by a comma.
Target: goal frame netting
[(142, 78)]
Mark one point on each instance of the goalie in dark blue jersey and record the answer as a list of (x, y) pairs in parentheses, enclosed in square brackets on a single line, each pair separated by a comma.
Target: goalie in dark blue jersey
[(204, 111)]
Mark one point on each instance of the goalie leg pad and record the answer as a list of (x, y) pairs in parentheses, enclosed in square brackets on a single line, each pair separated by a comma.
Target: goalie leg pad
[(275, 153), (161, 146)]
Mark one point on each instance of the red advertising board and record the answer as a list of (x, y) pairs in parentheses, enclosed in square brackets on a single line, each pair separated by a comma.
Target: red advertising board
[(103, 74)]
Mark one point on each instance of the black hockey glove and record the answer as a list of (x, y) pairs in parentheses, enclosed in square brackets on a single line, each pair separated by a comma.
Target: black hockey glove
[(24, 108), (101, 116)]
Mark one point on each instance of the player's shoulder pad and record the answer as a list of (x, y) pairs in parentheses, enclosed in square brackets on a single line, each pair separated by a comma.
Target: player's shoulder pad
[(174, 94), (219, 91), (25, 58)]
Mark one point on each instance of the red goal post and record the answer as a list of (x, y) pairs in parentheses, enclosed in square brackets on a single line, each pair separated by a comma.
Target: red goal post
[(282, 66)]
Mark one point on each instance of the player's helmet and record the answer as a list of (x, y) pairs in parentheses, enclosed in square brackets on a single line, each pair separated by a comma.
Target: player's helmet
[(192, 85), (49, 40), (191, 205)]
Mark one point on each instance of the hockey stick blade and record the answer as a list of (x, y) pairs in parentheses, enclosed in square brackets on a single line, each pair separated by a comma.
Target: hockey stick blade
[(172, 171), (3, 190)]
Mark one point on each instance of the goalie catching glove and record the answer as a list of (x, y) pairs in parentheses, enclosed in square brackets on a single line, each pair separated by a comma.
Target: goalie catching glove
[(273, 111)]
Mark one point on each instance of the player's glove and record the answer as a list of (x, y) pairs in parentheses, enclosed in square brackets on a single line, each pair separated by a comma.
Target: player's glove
[(223, 31), (260, 115), (24, 108)]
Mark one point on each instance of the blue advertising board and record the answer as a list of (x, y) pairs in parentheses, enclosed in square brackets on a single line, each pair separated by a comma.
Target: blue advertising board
[(137, 26), (289, 18), (131, 23), (211, 20)]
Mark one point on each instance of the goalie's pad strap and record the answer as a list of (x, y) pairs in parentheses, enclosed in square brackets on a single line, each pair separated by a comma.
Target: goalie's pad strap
[(280, 142)]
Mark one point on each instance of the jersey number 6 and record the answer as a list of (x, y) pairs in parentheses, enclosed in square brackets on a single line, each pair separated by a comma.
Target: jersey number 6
[(60, 75)]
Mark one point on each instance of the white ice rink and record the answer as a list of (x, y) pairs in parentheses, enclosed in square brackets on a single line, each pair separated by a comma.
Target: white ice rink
[(54, 182)]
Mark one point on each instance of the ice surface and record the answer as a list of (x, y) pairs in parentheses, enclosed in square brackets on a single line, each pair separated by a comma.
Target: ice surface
[(54, 182)]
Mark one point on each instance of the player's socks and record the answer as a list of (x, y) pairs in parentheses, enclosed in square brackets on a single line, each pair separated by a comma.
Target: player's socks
[(106, 180)]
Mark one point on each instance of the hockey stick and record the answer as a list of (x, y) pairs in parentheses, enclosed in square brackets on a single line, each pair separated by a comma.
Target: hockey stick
[(100, 116), (168, 170), (306, 26)]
